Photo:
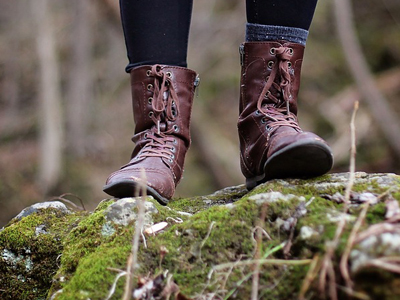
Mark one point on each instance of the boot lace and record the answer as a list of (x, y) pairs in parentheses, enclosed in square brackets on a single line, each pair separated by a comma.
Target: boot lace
[(277, 107), (164, 107)]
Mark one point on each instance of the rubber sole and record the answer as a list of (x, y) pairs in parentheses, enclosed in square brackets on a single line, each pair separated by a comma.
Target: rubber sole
[(127, 188), (302, 159)]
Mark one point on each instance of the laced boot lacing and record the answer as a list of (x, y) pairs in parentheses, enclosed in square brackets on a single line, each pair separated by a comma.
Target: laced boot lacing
[(165, 107), (275, 108)]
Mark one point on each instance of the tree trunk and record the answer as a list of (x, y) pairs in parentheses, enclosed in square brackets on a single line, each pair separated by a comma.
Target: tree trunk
[(379, 107), (51, 129), (80, 83)]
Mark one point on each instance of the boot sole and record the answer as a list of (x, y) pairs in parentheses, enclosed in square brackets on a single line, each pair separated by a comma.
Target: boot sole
[(127, 188), (302, 159)]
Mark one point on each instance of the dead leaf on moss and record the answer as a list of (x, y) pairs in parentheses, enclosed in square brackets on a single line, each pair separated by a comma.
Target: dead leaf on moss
[(158, 289), (392, 209)]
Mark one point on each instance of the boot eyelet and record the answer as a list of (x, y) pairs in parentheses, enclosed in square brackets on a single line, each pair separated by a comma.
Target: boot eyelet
[(263, 121), (257, 112), (170, 160), (267, 78), (169, 74), (150, 100), (175, 142), (173, 149), (291, 51), (145, 136), (148, 72), (172, 156), (151, 114), (176, 128), (149, 87), (272, 51), (289, 64), (270, 64), (268, 128)]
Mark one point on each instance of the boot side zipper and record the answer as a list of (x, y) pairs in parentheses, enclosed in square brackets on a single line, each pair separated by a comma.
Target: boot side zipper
[(241, 52), (196, 84)]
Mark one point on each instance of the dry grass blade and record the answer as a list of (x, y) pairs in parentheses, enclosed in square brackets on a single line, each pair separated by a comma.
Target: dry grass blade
[(256, 272), (353, 150), (132, 259), (354, 294), (344, 260), (327, 265), (114, 285), (251, 262), (206, 238), (350, 242), (382, 264), (62, 198), (312, 272)]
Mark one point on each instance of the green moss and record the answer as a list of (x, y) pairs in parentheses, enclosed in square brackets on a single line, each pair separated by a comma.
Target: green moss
[(376, 214), (82, 240), (29, 259), (215, 234), (93, 276)]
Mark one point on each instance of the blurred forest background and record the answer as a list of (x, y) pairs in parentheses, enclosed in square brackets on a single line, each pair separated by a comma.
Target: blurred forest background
[(65, 107)]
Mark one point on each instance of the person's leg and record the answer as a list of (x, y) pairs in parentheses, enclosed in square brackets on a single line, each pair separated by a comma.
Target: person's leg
[(156, 34), (272, 143), (287, 13)]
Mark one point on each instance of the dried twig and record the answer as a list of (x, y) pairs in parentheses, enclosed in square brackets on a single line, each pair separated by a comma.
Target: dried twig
[(353, 294), (205, 239), (327, 265), (380, 263), (332, 281), (256, 272), (276, 262), (132, 259), (350, 242), (353, 150), (344, 260), (112, 290), (312, 272), (377, 229), (62, 198)]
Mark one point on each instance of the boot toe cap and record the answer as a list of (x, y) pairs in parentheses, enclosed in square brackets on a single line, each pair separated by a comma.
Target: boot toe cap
[(129, 181)]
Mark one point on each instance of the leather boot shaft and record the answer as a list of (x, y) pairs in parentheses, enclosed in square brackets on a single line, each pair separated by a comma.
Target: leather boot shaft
[(269, 132), (257, 62), (162, 98), (143, 86)]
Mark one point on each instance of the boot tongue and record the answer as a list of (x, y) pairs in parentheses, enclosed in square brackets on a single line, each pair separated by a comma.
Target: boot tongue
[(285, 129)]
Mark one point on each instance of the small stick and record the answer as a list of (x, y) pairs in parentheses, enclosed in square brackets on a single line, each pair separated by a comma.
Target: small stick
[(264, 262), (350, 242), (312, 272), (132, 260), (112, 290), (353, 151), (379, 263), (332, 282), (207, 236), (256, 272), (61, 198)]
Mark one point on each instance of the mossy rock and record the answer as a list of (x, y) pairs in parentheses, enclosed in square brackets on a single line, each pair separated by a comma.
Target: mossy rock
[(209, 243)]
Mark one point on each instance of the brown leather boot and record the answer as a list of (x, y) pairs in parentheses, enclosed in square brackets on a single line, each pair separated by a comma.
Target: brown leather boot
[(162, 98), (272, 144)]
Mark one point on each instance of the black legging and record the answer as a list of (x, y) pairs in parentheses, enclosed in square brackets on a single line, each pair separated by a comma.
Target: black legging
[(156, 31)]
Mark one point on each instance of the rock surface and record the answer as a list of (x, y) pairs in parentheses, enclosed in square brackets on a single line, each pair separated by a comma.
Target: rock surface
[(284, 232)]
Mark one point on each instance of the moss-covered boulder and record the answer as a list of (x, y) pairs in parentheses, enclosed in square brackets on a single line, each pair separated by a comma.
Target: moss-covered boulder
[(286, 239)]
